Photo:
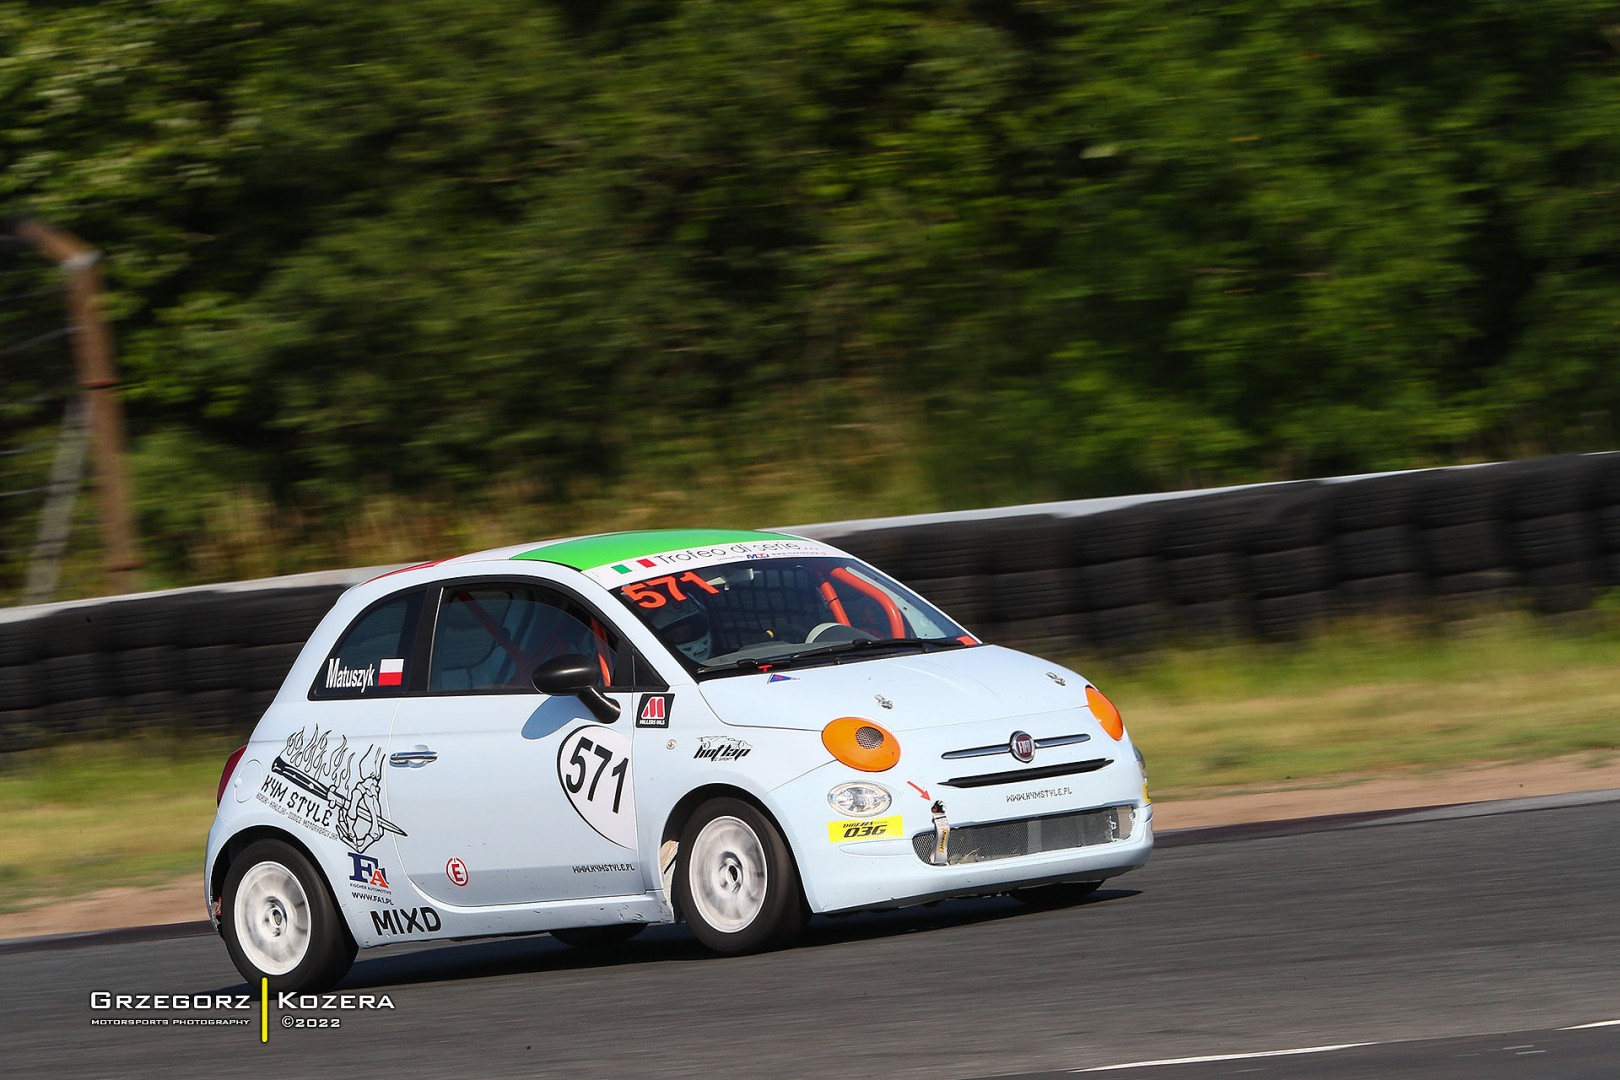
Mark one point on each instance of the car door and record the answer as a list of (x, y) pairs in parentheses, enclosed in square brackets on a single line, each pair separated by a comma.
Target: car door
[(327, 774), (504, 795)]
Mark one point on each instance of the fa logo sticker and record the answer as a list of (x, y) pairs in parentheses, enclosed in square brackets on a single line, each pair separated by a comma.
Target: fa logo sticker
[(654, 710), (368, 871)]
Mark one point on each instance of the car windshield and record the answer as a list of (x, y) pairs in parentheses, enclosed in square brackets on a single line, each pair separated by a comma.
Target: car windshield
[(760, 614)]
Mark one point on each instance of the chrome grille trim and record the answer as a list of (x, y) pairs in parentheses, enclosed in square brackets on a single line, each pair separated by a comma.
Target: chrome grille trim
[(977, 751), (1002, 748), (1031, 836)]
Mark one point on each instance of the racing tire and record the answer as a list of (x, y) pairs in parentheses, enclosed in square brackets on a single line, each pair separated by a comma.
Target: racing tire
[(736, 884), (586, 938), (279, 921), (1061, 895)]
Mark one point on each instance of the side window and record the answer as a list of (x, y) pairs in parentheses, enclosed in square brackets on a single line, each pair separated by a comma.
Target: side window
[(373, 657), (491, 638)]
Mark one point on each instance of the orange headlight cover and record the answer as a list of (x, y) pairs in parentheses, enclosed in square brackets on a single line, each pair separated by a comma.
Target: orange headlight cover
[(861, 744), (1106, 714)]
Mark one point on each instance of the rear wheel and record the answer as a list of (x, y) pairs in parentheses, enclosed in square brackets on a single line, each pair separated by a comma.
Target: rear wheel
[(1062, 894), (598, 937), (279, 921), (736, 883)]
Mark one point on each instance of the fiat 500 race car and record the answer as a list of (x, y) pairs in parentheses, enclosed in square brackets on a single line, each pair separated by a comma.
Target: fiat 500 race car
[(733, 729)]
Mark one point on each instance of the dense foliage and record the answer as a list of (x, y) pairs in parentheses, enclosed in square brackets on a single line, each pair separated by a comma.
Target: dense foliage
[(508, 249)]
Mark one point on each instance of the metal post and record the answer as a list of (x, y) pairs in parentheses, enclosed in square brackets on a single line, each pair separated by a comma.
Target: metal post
[(98, 377)]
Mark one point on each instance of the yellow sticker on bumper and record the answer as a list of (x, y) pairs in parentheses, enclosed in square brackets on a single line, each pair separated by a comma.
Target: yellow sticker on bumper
[(865, 829)]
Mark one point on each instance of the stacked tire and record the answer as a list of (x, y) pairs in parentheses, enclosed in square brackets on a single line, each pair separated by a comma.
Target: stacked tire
[(1119, 577), (1466, 554), (1605, 489), (1293, 566), (24, 721), (1201, 547), (1377, 546), (1552, 531)]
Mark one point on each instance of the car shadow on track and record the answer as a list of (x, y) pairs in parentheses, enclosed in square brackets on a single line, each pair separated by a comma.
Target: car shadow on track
[(438, 963)]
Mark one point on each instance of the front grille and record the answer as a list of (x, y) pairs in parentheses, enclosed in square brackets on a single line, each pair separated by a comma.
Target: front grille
[(1031, 836), (1018, 776)]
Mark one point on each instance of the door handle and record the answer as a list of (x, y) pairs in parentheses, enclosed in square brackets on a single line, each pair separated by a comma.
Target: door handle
[(413, 759)]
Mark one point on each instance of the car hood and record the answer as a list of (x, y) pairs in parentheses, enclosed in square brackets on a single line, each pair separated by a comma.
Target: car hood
[(903, 692)]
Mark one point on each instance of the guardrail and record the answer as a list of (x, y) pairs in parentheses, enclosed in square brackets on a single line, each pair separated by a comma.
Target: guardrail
[(1269, 562)]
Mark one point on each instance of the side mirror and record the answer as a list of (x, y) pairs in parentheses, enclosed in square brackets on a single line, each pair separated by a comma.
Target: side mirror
[(576, 675)]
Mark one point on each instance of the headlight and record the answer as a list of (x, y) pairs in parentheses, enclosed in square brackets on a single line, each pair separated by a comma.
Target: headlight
[(858, 800)]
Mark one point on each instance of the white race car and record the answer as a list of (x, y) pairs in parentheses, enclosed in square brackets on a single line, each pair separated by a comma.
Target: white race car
[(731, 729)]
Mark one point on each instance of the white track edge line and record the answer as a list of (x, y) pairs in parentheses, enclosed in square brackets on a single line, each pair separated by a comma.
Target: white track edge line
[(1600, 1023), (1226, 1057)]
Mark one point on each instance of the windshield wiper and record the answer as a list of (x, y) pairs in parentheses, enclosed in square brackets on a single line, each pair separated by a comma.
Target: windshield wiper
[(835, 648), (921, 642), (863, 644)]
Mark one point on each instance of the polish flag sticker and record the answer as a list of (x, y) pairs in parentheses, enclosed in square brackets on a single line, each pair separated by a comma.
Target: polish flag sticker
[(390, 672)]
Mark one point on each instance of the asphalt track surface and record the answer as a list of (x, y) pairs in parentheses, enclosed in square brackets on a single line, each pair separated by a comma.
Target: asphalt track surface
[(1461, 943)]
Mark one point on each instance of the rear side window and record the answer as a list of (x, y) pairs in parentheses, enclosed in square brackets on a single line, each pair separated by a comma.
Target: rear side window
[(491, 637), (373, 657)]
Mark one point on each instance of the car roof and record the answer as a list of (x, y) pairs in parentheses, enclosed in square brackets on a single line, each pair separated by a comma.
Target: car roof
[(601, 549), (586, 552), (627, 555)]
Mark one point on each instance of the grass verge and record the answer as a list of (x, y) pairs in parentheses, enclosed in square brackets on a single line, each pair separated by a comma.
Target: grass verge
[(104, 814), (1371, 697), (1364, 698)]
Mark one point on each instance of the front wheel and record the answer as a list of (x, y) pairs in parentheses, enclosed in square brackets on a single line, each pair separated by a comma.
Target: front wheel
[(736, 883), (279, 921)]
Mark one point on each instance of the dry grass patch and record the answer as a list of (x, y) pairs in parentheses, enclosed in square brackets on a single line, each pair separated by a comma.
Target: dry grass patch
[(1371, 698), (104, 814)]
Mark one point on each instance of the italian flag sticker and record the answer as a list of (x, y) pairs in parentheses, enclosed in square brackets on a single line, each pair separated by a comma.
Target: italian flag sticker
[(390, 672), (625, 568)]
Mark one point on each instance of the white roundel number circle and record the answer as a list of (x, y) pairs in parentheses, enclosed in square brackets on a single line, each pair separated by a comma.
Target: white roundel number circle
[(594, 768)]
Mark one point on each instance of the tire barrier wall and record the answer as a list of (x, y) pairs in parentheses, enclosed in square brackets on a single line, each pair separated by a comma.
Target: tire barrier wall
[(198, 660), (1271, 561), (1264, 562)]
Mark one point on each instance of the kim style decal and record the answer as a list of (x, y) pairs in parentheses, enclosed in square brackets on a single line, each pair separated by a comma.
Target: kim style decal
[(335, 790)]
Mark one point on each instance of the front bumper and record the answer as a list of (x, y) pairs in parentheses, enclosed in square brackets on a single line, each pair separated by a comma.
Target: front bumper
[(1078, 842)]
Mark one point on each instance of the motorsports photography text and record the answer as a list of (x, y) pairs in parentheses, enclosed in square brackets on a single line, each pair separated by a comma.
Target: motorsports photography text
[(259, 1012)]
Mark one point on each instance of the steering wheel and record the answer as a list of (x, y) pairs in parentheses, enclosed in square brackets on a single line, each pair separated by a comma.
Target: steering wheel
[(834, 631)]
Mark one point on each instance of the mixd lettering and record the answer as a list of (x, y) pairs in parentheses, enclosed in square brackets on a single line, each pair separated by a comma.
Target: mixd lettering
[(406, 921), (339, 677)]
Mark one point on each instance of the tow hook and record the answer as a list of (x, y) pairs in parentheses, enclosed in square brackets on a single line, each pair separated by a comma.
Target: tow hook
[(942, 832)]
